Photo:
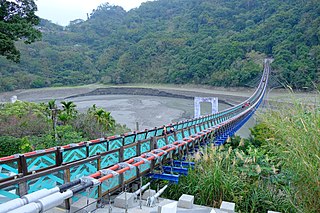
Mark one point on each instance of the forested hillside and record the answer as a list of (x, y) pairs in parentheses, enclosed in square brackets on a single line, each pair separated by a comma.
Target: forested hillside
[(214, 42)]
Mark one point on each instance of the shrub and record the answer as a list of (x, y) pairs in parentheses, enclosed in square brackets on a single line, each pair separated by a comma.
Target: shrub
[(22, 119), (10, 145)]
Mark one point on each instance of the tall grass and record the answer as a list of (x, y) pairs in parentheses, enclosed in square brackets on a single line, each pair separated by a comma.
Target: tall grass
[(231, 174), (277, 169), (296, 143)]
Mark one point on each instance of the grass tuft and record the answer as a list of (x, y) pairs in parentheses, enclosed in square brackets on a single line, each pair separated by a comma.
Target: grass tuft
[(277, 169)]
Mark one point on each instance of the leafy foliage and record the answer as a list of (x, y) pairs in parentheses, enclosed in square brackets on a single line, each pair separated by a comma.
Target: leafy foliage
[(22, 119), (17, 21), (220, 43), (97, 122), (28, 126), (69, 111), (260, 134), (11, 145)]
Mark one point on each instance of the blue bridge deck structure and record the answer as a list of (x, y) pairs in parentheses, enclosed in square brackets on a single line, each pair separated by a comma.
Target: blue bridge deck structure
[(43, 179)]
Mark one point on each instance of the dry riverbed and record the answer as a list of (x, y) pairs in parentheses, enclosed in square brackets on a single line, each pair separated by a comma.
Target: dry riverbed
[(149, 105)]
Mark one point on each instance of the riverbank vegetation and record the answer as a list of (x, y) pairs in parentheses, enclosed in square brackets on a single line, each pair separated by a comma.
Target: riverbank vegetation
[(26, 126), (219, 43), (278, 168)]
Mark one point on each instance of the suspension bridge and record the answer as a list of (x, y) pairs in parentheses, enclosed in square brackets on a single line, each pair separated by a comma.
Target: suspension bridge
[(41, 180)]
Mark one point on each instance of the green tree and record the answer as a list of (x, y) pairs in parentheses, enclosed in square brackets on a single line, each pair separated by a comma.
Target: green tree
[(11, 145), (22, 119), (175, 41), (17, 21), (103, 118), (69, 107), (69, 111)]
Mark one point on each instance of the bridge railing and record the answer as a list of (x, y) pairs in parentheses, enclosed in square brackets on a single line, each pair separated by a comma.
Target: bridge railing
[(22, 174), (111, 151), (70, 169), (23, 164), (46, 164)]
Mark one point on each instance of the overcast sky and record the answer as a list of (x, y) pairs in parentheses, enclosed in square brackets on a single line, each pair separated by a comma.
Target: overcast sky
[(63, 11)]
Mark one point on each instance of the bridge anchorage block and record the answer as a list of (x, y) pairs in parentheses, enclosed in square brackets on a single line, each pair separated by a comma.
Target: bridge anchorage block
[(169, 177), (228, 207), (124, 200), (186, 201)]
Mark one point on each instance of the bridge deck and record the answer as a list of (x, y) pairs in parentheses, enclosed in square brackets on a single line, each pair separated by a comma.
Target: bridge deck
[(109, 163)]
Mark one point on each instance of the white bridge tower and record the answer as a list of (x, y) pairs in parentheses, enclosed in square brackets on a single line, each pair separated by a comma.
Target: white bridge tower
[(198, 100)]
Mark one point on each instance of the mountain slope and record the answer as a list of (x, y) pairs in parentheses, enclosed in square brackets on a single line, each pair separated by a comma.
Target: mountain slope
[(215, 42)]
